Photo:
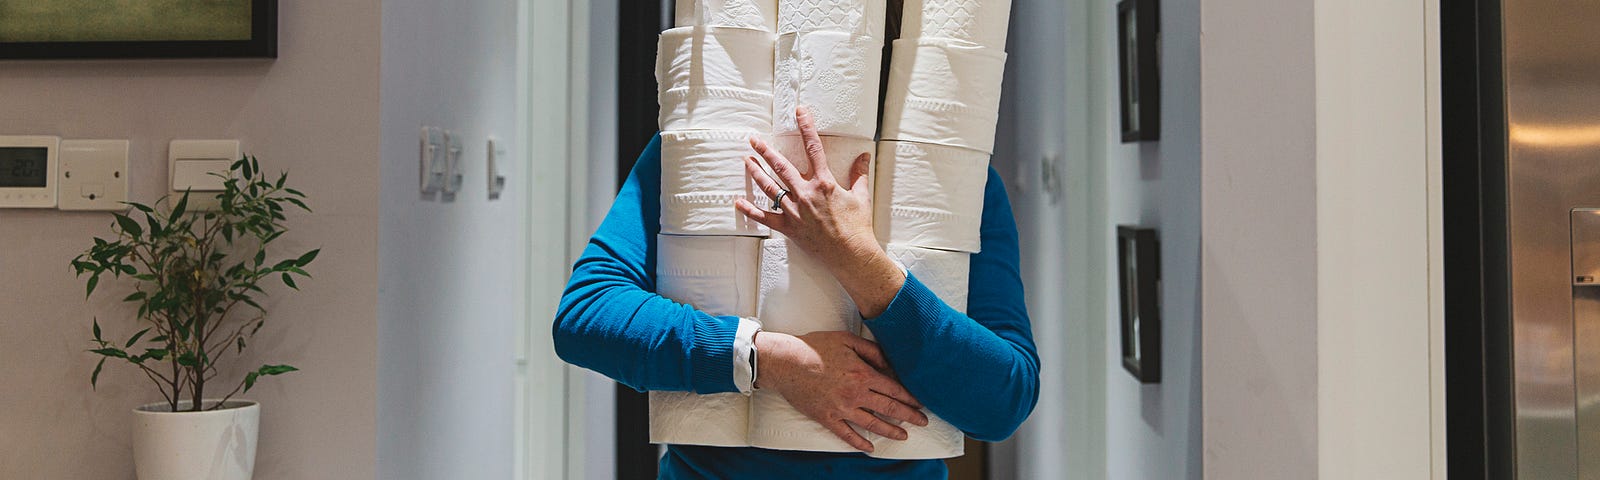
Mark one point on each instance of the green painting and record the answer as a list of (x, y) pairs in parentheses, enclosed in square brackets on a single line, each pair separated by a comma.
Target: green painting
[(124, 20)]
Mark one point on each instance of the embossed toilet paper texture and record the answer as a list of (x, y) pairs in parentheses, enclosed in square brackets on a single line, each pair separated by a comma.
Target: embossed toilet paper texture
[(834, 74), (798, 293), (752, 14), (974, 22), (929, 196), (719, 276), (943, 93), (856, 17), (715, 56), (702, 173)]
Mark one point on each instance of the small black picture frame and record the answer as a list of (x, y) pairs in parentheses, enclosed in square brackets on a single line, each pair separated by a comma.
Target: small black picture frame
[(1138, 60), (1139, 282), (263, 43)]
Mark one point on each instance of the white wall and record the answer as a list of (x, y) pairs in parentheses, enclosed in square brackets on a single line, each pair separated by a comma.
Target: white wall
[(1094, 420), (1258, 201), (1320, 223), (313, 112), (453, 275), (1153, 431)]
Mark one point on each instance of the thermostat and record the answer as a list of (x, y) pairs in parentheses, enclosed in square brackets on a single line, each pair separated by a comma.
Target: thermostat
[(28, 171)]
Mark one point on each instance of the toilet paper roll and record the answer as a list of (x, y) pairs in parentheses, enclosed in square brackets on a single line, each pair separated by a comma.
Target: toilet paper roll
[(973, 22), (717, 275), (836, 75), (716, 108), (702, 172), (798, 293), (685, 418), (856, 17), (841, 153), (929, 196), (752, 14), (944, 272), (714, 57), (943, 93)]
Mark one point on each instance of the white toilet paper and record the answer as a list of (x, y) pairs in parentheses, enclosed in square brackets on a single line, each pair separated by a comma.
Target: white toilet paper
[(752, 14), (841, 153), (944, 272), (856, 17), (714, 57), (974, 22), (717, 275), (929, 196), (702, 172), (715, 108), (836, 75), (943, 93), (798, 293)]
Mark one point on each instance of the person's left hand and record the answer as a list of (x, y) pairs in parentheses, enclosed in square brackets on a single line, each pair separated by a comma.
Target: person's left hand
[(832, 222)]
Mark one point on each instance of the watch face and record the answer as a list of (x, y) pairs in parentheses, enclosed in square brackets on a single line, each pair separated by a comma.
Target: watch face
[(24, 167)]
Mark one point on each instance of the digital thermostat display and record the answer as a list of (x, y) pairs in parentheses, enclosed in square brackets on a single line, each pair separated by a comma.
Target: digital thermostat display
[(24, 167)]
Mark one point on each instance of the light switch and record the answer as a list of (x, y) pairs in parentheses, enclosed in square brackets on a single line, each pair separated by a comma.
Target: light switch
[(200, 167), (94, 175)]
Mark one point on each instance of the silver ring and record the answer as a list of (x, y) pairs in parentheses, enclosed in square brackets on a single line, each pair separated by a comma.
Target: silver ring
[(777, 202)]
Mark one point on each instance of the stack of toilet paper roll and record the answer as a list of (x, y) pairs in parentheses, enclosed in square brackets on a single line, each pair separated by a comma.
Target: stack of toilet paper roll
[(714, 73), (732, 69)]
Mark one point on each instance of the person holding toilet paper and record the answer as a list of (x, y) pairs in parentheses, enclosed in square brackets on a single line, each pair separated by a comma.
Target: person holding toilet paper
[(977, 370)]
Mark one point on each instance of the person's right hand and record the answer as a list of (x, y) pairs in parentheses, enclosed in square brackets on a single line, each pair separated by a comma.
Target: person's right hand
[(835, 378)]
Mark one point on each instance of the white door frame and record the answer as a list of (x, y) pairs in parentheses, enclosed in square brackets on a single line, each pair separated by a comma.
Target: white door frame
[(553, 124)]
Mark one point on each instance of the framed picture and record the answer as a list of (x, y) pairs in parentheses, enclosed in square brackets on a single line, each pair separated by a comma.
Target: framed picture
[(81, 29), (1139, 281), (1138, 60)]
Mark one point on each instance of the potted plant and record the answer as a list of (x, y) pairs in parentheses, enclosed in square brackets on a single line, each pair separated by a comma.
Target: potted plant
[(198, 280)]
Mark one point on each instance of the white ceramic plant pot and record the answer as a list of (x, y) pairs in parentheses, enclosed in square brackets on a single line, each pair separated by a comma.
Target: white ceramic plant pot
[(206, 445)]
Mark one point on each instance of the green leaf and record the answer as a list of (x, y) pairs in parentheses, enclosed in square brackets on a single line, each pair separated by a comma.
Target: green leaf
[(128, 225), (177, 211), (94, 379), (110, 352), (93, 281), (261, 256), (276, 369), (241, 344), (135, 296), (250, 380), (140, 206), (97, 329), (289, 281), (127, 269), (294, 192), (307, 258), (135, 338), (299, 203), (156, 354), (187, 359)]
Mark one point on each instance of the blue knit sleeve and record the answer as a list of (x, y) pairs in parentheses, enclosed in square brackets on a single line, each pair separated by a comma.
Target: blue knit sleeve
[(612, 321), (979, 370)]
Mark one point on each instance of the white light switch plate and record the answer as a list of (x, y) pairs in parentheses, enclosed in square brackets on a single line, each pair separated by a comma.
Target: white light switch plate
[(94, 175), (190, 165)]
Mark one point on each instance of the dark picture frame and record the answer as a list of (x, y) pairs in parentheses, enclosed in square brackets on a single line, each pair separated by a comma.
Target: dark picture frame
[(1139, 284), (1138, 61), (263, 43)]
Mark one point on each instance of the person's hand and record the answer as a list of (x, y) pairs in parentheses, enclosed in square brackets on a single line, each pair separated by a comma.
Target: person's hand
[(830, 221), (836, 379)]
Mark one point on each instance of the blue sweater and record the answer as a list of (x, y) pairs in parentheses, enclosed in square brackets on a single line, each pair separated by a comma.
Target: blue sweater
[(978, 371)]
